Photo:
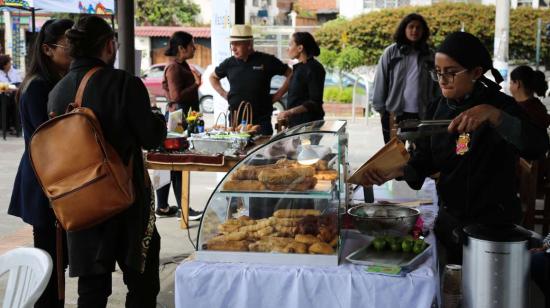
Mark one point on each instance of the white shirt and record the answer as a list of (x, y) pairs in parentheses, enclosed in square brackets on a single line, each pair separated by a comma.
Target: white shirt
[(410, 93), (13, 76)]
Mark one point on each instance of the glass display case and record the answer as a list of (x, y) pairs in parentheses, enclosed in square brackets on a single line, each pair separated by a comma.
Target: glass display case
[(282, 203)]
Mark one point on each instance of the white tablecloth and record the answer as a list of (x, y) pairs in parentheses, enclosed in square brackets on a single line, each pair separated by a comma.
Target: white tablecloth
[(240, 285), (206, 284)]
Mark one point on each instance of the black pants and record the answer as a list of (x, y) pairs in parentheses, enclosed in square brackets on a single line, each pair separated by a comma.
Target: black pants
[(44, 238), (143, 288), (385, 120), (164, 191)]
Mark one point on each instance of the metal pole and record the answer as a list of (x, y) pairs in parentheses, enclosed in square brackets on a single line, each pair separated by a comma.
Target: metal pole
[(33, 17), (125, 18), (537, 57), (502, 30), (239, 12)]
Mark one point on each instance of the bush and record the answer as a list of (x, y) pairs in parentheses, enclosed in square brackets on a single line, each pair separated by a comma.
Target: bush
[(372, 32), (334, 94)]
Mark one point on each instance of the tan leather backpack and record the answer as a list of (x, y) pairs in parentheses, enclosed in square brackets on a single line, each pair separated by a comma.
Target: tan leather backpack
[(81, 174)]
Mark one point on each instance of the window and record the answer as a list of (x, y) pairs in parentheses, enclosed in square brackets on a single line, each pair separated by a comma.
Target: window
[(525, 3)]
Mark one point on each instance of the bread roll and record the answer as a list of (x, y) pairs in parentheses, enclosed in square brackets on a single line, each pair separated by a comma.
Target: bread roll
[(321, 248), (296, 247), (228, 246), (307, 171), (293, 213), (233, 236), (245, 185), (306, 239), (279, 176), (284, 222), (307, 183), (327, 175)]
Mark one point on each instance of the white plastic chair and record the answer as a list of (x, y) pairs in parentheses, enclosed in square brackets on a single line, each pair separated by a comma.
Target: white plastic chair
[(29, 271)]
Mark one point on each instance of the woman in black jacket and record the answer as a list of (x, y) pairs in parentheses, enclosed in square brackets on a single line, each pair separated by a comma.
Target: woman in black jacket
[(49, 62), (477, 157), (121, 105), (305, 89)]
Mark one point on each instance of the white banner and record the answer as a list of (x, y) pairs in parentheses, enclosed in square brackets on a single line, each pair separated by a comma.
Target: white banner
[(100, 7), (220, 29)]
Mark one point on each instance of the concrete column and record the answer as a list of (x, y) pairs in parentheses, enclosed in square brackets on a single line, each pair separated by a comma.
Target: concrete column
[(8, 35), (502, 31), (125, 18)]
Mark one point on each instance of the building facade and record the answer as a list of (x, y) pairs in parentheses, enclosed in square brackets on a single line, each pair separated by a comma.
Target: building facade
[(352, 8)]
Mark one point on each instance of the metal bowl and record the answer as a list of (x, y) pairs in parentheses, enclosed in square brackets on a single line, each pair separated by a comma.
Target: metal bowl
[(376, 219)]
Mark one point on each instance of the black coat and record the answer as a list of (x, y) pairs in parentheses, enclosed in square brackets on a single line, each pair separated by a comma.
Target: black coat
[(121, 104), (479, 186), (28, 201)]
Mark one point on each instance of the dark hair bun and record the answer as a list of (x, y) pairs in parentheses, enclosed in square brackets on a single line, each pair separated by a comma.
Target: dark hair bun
[(306, 39), (88, 36), (75, 34), (540, 86), (533, 81)]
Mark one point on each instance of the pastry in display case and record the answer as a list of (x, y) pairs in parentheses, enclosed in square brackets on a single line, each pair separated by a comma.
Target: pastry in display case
[(282, 203)]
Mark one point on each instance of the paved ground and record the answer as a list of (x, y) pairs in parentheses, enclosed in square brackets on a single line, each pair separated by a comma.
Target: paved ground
[(364, 141)]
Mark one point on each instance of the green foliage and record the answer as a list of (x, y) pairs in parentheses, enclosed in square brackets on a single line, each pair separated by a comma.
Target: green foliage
[(328, 58), (166, 12), (372, 32), (349, 58), (334, 94)]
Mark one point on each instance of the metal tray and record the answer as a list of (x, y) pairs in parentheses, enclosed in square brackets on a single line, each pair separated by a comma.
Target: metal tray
[(408, 261)]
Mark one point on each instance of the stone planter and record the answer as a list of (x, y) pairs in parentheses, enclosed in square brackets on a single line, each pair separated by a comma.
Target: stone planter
[(342, 110)]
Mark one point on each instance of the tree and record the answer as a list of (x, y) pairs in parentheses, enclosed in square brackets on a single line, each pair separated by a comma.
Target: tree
[(328, 59), (348, 59), (372, 32), (166, 12)]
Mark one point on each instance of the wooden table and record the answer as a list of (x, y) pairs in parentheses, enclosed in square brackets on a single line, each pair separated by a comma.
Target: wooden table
[(229, 162), (186, 168)]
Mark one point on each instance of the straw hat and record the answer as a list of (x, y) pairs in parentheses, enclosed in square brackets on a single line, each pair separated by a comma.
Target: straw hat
[(241, 33)]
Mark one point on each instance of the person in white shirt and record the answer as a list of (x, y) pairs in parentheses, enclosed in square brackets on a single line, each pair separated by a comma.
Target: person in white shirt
[(8, 74)]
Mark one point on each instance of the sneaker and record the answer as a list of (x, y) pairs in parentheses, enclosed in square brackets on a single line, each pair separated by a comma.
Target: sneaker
[(194, 215), (172, 211)]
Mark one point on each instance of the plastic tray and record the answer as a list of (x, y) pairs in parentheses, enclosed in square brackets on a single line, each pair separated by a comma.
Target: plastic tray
[(408, 261)]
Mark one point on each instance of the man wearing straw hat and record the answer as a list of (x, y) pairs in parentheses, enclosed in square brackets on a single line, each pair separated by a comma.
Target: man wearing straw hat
[(249, 73)]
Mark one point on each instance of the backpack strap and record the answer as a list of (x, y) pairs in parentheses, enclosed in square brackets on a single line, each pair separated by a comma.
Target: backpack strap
[(82, 86)]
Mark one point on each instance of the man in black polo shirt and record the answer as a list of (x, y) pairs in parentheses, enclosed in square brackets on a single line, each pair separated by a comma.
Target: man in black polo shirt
[(249, 73)]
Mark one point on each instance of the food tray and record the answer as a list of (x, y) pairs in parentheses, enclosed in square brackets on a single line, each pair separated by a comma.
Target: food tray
[(408, 261)]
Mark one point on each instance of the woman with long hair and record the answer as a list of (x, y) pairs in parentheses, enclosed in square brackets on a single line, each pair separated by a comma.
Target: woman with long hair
[(305, 89), (402, 84), (50, 61)]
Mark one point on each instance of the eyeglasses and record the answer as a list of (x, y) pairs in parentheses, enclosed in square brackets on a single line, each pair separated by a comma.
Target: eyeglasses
[(60, 46), (447, 77)]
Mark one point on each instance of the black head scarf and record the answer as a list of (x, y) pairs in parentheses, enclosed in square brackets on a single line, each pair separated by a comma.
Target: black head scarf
[(469, 52)]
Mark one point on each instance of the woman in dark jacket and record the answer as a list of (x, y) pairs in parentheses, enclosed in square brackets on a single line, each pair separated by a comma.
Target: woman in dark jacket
[(524, 84), (121, 105), (305, 89), (477, 157), (49, 62)]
